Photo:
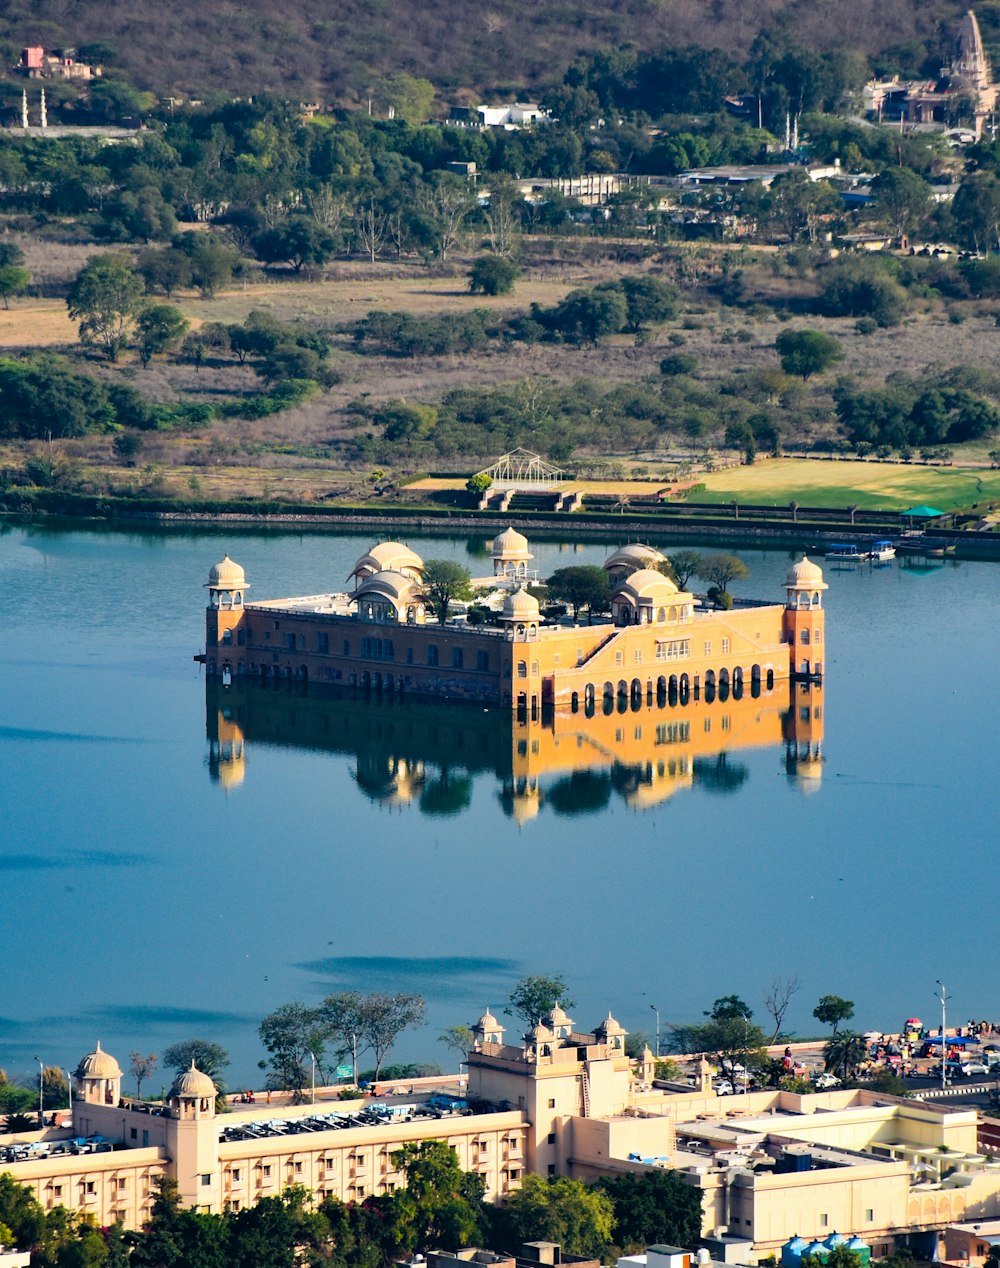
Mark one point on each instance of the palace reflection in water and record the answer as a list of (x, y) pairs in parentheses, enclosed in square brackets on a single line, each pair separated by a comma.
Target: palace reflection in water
[(415, 752)]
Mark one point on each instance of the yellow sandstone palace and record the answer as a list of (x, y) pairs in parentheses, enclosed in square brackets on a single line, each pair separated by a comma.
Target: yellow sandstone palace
[(660, 641)]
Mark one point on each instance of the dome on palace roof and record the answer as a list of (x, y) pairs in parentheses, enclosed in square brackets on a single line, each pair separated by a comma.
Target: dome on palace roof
[(388, 556), (805, 575), (559, 1017), (488, 1022), (510, 544), (520, 606), (387, 584), (647, 583), (611, 1027), (227, 575), (635, 555), (192, 1083), (98, 1065)]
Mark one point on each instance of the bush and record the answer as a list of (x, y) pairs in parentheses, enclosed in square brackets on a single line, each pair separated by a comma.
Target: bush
[(679, 363), (493, 275), (866, 325)]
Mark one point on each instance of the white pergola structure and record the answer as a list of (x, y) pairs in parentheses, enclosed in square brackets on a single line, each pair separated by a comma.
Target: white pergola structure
[(522, 469)]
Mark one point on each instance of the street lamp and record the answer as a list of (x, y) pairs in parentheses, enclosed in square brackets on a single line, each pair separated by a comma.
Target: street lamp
[(657, 1012), (69, 1085), (944, 1026), (313, 1056)]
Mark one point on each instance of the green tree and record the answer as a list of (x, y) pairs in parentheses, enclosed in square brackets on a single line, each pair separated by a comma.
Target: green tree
[(14, 281), (721, 570), (164, 269), (210, 1058), (654, 1207), (807, 352), (976, 211), (902, 197), (104, 299), (729, 1008), (581, 586), (441, 1205), (159, 327), (730, 1040), (292, 1035), (409, 97), (444, 583), (535, 997), (844, 1052), (297, 241), (479, 483), (493, 275), (561, 1210), (684, 565), (458, 1038), (212, 260), (861, 288), (740, 436), (648, 301), (832, 1010), (385, 1017)]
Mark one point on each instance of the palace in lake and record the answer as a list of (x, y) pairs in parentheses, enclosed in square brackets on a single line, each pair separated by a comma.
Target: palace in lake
[(660, 641)]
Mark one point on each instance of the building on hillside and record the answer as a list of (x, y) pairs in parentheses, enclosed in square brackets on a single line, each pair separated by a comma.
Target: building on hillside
[(964, 90), (508, 117), (60, 63), (660, 641)]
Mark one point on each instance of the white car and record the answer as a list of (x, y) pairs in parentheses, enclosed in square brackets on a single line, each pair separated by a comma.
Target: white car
[(826, 1080), (723, 1087), (974, 1067)]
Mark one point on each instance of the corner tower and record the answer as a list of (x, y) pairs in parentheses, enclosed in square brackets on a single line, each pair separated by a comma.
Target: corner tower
[(803, 624), (226, 585)]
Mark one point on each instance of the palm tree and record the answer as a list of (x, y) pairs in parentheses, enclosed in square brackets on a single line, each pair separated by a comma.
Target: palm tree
[(843, 1053)]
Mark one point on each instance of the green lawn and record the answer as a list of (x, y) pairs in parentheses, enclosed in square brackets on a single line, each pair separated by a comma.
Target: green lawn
[(867, 485)]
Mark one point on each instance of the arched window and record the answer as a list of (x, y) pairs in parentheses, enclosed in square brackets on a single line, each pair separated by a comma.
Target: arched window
[(661, 615), (522, 669), (534, 669), (804, 636)]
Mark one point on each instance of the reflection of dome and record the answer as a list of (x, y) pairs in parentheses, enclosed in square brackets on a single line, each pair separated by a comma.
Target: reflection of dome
[(510, 544), (805, 575), (227, 575), (232, 773), (526, 805), (634, 556), (98, 1065), (388, 556), (647, 584), (192, 1083), (520, 606)]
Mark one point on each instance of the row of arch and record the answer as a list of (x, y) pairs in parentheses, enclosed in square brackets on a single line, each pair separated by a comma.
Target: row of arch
[(677, 688)]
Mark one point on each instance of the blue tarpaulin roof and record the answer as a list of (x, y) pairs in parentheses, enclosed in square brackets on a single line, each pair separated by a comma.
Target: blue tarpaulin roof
[(959, 1042)]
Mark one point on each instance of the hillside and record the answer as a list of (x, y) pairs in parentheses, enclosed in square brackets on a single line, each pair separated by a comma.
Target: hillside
[(337, 50)]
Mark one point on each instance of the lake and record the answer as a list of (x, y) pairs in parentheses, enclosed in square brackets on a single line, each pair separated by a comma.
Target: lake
[(176, 864)]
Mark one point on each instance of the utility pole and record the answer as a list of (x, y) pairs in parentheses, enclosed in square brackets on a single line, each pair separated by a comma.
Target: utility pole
[(41, 1093), (944, 1025), (657, 1012)]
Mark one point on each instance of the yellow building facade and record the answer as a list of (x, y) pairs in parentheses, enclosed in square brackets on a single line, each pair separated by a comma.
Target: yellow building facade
[(660, 640)]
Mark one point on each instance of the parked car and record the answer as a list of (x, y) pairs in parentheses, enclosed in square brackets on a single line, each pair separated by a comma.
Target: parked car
[(826, 1080), (723, 1087), (974, 1066)]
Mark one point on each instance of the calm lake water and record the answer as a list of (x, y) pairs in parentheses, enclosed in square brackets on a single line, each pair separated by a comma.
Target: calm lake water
[(150, 896)]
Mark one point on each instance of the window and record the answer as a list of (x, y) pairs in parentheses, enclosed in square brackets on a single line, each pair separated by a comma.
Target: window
[(638, 732), (482, 660), (675, 649), (133, 1134), (638, 655), (818, 636), (236, 1173), (290, 642), (725, 723), (206, 1180), (432, 654), (57, 1190), (725, 647), (708, 725), (347, 647), (241, 637), (552, 1102), (409, 655), (804, 713), (552, 1138), (804, 636), (673, 733), (298, 1168), (91, 1186), (267, 1170), (123, 1183), (824, 1221), (534, 669), (522, 669), (870, 1216), (708, 649), (322, 642), (457, 658), (618, 658)]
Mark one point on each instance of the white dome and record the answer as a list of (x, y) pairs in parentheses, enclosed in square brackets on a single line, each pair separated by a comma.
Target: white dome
[(510, 544), (388, 556), (805, 575), (635, 555), (388, 584), (227, 575), (647, 583), (192, 1083), (98, 1065), (520, 606)]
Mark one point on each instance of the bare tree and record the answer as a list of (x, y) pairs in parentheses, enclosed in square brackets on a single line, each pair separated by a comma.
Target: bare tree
[(328, 208), (778, 996), (371, 224), (448, 202), (500, 214), (141, 1067)]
